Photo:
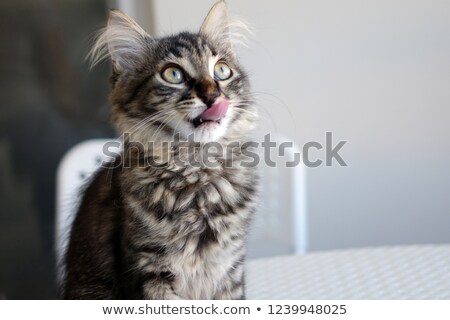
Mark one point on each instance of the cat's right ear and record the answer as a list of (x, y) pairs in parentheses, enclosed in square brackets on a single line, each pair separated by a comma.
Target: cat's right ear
[(216, 25), (123, 40)]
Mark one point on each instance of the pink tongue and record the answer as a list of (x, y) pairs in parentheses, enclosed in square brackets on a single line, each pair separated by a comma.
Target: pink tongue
[(216, 112)]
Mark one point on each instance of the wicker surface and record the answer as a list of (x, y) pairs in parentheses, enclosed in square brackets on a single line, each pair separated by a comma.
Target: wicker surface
[(408, 272)]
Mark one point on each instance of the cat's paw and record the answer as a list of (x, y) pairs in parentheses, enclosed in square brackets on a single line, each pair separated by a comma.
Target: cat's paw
[(173, 296)]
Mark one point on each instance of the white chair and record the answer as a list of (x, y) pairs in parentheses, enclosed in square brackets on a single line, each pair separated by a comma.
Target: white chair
[(280, 225)]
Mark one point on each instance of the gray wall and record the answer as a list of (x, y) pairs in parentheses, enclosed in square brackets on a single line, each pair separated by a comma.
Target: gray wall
[(376, 73)]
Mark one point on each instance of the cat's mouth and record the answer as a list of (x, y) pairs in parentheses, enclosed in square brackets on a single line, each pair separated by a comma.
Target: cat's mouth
[(197, 122), (214, 114)]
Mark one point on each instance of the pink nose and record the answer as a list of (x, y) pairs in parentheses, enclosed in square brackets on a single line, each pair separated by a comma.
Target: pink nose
[(216, 112)]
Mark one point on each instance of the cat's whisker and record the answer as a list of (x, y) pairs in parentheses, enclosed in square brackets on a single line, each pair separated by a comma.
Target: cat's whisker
[(276, 99), (168, 124), (175, 128), (259, 96), (151, 120), (163, 125), (143, 122), (247, 111), (264, 115)]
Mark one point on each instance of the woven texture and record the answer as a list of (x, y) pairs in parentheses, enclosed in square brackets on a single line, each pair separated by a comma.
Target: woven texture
[(409, 272)]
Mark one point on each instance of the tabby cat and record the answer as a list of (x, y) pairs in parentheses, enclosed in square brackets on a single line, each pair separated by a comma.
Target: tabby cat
[(149, 227)]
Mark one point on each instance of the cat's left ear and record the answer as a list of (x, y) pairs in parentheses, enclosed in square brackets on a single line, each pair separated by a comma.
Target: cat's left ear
[(123, 41), (216, 25)]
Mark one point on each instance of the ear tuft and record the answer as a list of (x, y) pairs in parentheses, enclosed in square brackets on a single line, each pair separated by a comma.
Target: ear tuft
[(123, 40), (216, 25)]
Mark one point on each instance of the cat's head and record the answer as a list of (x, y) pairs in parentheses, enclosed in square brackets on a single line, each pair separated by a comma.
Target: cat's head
[(189, 83)]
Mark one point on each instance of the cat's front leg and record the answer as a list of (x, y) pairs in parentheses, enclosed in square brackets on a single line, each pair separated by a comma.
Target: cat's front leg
[(233, 285), (158, 286)]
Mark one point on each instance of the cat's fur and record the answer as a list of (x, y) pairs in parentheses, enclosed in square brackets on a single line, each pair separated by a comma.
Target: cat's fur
[(168, 231)]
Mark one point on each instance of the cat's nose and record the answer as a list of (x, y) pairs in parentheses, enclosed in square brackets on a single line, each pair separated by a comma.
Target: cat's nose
[(208, 92), (209, 98)]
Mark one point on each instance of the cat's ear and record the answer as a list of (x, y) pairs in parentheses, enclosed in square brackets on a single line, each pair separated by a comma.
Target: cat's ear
[(123, 40), (216, 25)]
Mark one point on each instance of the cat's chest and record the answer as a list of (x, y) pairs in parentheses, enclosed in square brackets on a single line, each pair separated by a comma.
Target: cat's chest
[(204, 204), (199, 273), (202, 221), (191, 195), (209, 211)]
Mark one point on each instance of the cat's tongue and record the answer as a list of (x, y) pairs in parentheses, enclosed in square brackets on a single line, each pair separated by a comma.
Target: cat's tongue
[(216, 112)]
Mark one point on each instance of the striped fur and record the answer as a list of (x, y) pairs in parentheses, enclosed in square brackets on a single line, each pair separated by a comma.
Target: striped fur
[(172, 231)]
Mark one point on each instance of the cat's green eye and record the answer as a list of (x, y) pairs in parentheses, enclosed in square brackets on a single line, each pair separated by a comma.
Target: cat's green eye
[(222, 71), (173, 75)]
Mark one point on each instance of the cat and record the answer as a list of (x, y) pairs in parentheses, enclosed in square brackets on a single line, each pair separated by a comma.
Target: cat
[(169, 230)]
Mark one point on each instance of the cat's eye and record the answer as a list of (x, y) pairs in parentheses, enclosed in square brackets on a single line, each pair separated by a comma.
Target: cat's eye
[(173, 74), (222, 71)]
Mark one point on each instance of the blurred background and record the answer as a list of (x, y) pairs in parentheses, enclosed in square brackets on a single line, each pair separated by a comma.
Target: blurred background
[(374, 73)]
